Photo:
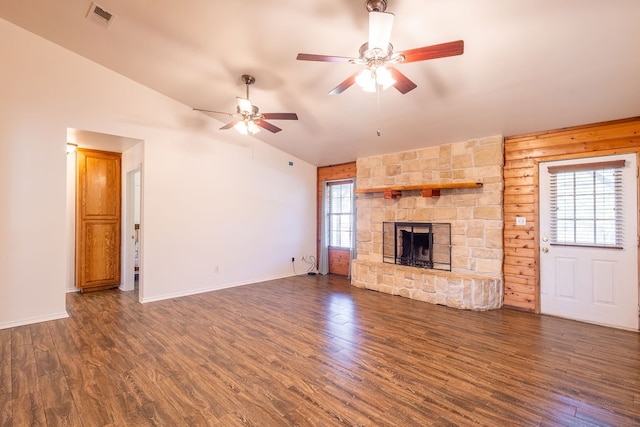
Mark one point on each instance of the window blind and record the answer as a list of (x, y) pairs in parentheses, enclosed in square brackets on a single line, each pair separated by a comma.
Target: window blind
[(586, 204)]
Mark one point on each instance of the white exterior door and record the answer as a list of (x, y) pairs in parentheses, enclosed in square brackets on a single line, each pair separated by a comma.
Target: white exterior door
[(588, 240)]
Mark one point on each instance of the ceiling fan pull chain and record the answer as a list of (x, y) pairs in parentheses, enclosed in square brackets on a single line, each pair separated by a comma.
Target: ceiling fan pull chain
[(378, 102)]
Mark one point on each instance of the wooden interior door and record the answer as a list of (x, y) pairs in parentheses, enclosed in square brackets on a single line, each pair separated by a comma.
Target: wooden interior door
[(98, 219)]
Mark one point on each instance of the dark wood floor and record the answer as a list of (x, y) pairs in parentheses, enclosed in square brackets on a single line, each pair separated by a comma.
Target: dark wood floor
[(312, 351)]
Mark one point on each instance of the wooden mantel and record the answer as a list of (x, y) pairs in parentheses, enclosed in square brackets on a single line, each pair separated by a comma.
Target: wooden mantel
[(428, 190)]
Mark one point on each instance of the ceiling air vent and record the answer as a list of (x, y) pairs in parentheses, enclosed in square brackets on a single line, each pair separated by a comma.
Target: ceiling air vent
[(100, 16)]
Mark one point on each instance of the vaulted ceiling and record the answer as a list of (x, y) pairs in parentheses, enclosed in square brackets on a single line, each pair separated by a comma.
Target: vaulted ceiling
[(528, 65)]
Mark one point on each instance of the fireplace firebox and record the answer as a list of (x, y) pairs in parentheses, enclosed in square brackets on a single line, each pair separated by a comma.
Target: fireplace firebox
[(417, 244)]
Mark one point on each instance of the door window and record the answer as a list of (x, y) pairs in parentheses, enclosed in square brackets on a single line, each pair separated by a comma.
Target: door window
[(586, 204)]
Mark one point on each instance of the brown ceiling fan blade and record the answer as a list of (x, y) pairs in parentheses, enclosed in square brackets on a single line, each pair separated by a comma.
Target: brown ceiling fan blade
[(322, 58), (268, 126), (229, 125), (211, 111), (280, 116), (433, 52), (403, 84), (344, 85)]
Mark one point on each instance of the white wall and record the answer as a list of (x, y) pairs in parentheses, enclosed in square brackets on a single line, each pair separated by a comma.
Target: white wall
[(247, 216), (210, 199)]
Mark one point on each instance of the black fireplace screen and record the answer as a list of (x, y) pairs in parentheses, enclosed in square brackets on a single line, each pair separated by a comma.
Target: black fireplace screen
[(417, 244)]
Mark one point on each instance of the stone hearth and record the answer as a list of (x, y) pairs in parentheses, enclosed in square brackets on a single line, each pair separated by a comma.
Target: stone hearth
[(471, 292)]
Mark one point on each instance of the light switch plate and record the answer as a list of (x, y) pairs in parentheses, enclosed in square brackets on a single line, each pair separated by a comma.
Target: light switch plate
[(520, 220)]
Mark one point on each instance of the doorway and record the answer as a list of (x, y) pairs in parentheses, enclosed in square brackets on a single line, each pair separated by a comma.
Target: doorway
[(132, 151), (132, 244), (588, 240)]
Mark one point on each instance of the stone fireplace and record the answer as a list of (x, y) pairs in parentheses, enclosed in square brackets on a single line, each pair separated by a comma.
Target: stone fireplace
[(474, 279)]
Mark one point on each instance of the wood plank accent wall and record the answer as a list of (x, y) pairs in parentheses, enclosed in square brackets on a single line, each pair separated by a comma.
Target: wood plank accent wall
[(522, 155), (333, 173)]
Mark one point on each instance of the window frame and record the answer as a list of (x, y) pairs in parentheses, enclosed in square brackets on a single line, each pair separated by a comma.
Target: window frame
[(330, 214)]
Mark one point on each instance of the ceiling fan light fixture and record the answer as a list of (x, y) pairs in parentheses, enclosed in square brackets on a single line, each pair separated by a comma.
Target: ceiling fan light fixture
[(384, 78), (241, 127), (252, 127), (246, 127), (366, 80), (370, 78)]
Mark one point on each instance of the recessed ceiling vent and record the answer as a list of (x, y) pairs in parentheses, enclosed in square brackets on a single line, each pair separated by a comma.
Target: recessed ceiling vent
[(100, 16)]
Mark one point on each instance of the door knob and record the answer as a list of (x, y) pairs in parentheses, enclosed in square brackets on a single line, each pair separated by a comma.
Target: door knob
[(545, 249)]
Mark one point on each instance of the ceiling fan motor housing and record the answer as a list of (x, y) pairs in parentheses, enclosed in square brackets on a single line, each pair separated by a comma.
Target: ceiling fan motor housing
[(253, 113), (375, 56)]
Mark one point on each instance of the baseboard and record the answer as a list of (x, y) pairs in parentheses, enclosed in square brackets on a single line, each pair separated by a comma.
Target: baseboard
[(33, 320)]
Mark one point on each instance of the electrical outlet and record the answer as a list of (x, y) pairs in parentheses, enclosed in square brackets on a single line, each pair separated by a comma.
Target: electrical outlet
[(293, 259)]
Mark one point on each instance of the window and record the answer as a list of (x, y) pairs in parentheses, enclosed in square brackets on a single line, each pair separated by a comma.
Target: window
[(586, 204), (340, 213)]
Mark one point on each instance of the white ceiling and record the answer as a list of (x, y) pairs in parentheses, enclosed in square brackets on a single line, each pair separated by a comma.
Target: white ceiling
[(529, 65)]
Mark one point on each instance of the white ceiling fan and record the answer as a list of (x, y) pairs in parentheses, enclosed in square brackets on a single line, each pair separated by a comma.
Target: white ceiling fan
[(378, 57), (248, 119)]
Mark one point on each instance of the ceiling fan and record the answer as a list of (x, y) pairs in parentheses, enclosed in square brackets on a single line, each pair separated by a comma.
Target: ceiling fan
[(248, 119), (378, 57)]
